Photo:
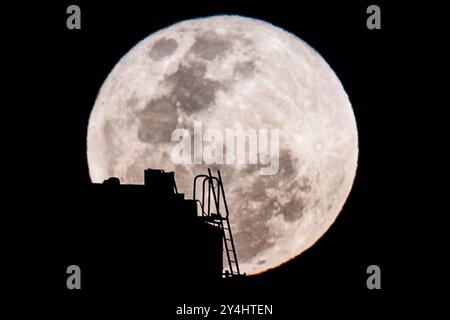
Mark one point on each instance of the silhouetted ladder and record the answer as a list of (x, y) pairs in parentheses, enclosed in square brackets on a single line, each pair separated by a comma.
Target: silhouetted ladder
[(216, 218)]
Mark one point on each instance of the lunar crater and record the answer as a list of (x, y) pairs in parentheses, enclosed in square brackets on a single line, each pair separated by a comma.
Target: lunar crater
[(254, 239), (245, 68), (152, 126), (132, 101), (293, 209), (210, 45), (163, 48), (191, 88)]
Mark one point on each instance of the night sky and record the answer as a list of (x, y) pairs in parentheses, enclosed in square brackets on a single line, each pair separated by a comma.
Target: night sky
[(391, 217)]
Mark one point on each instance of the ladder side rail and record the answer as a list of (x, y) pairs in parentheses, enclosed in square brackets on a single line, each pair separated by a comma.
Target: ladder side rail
[(228, 221), (232, 246), (213, 189), (230, 264), (223, 194), (210, 190), (218, 197), (215, 196)]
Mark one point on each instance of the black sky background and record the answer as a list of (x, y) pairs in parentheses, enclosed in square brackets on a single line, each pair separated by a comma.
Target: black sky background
[(390, 218)]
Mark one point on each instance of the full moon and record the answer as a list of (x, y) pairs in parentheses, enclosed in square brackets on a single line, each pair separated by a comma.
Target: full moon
[(231, 72)]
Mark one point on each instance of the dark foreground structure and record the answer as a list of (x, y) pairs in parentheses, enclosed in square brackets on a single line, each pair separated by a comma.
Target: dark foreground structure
[(152, 238), (128, 240), (149, 239)]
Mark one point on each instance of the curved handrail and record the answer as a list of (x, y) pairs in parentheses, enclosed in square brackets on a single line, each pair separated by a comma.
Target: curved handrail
[(210, 179), (223, 222), (195, 182), (223, 194)]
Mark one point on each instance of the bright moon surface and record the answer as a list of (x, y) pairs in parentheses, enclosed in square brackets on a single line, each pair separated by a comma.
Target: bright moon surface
[(234, 72)]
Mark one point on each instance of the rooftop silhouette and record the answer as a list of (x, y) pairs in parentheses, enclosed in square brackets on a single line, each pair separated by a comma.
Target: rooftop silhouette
[(151, 236)]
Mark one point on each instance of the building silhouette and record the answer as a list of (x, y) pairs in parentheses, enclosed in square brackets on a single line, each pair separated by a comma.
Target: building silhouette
[(150, 238)]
